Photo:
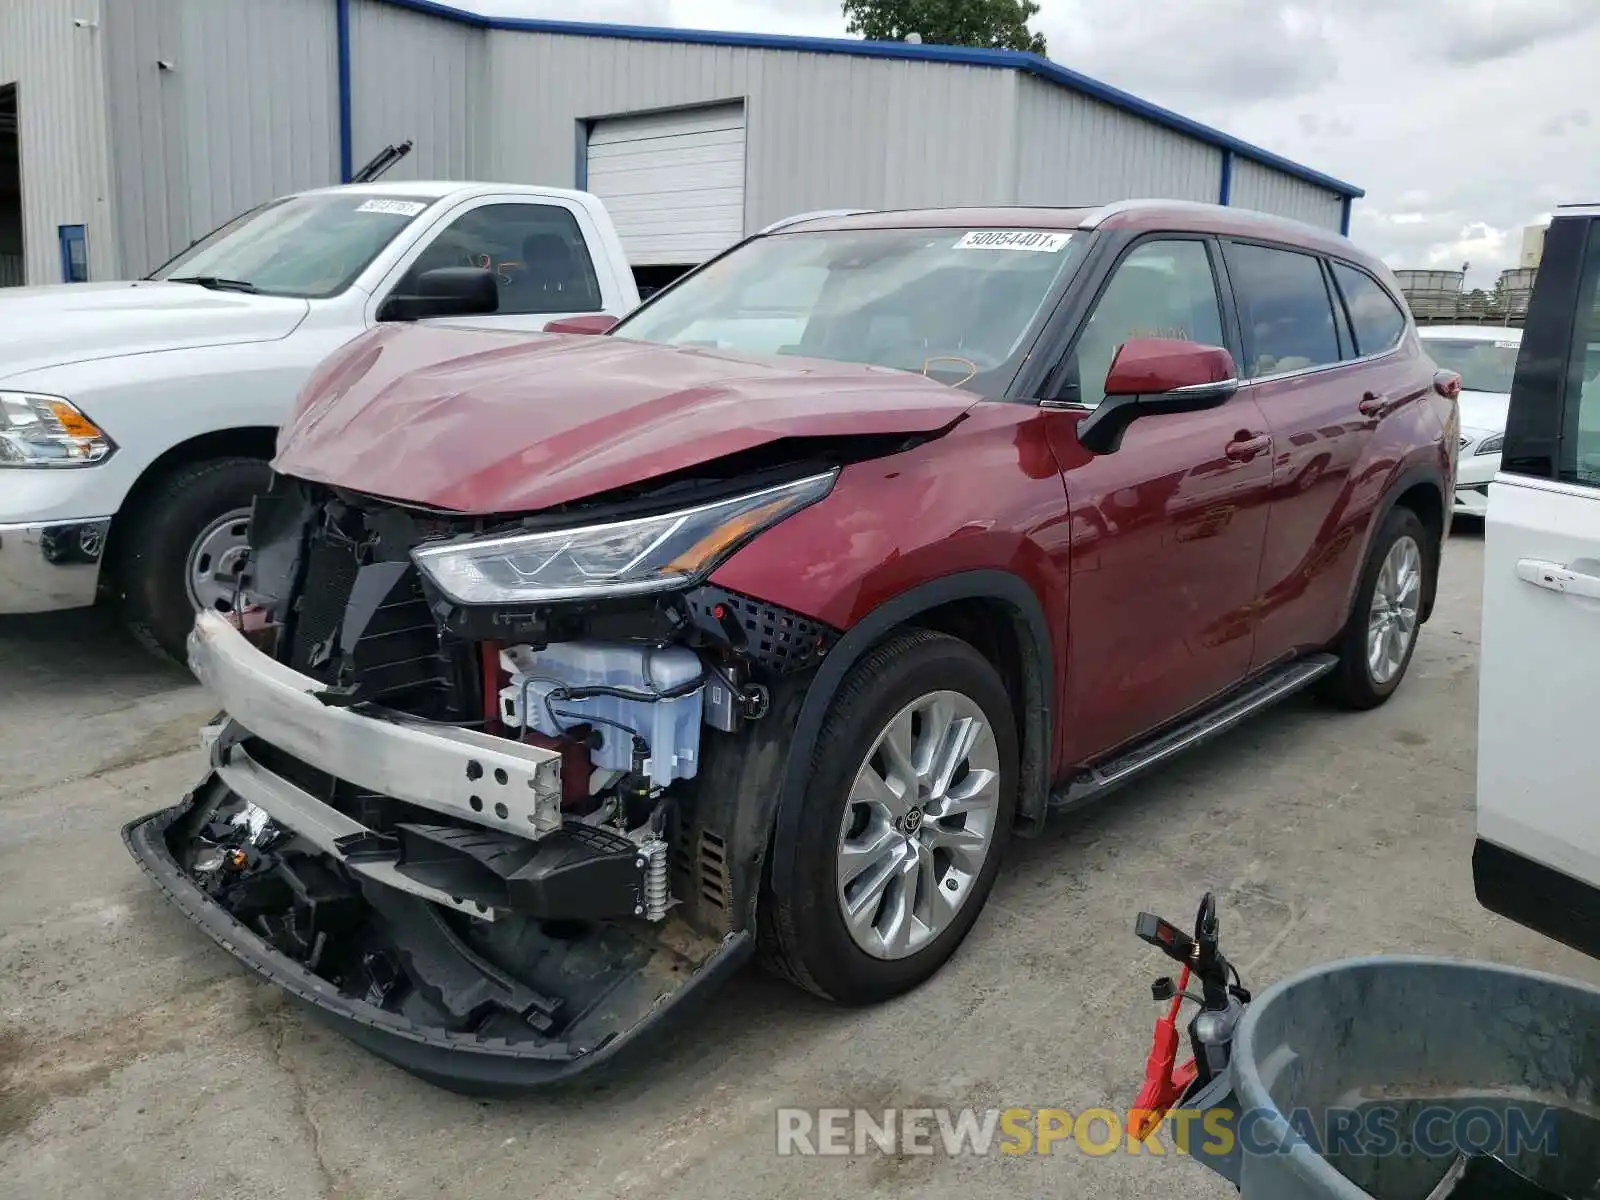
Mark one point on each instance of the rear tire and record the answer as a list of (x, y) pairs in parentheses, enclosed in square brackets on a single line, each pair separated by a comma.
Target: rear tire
[(1376, 646), (156, 550), (936, 835)]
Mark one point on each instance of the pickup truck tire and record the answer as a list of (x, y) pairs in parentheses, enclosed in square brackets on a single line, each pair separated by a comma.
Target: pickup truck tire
[(153, 552), (1396, 576), (917, 683)]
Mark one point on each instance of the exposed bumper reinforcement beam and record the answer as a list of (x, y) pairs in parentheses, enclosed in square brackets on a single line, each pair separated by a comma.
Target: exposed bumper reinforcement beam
[(488, 780)]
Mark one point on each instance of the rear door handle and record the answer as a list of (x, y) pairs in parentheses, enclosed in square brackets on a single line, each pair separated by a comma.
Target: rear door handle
[(1373, 405), (1246, 446), (1557, 578)]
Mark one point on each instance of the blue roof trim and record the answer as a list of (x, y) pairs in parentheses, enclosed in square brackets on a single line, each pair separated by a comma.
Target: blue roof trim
[(1013, 60)]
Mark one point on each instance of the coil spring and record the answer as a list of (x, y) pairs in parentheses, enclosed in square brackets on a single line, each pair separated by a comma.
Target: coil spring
[(656, 893)]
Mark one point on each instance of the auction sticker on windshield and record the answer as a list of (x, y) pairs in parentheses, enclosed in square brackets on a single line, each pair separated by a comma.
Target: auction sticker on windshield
[(1015, 239), (394, 208)]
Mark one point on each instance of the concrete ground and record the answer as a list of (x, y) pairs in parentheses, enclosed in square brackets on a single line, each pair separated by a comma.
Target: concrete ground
[(136, 1059)]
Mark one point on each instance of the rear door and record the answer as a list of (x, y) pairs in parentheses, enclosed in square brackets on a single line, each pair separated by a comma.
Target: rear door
[(1538, 854)]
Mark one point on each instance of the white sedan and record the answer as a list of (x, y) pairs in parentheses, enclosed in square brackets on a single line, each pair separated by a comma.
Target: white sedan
[(1485, 356)]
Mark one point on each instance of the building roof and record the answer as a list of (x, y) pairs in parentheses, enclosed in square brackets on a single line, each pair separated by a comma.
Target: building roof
[(1010, 60)]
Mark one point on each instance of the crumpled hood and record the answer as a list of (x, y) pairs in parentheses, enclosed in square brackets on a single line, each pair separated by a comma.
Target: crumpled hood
[(1484, 411), (44, 327), (487, 422)]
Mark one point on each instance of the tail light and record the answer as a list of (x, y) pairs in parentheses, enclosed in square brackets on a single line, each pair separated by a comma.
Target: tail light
[(1447, 384)]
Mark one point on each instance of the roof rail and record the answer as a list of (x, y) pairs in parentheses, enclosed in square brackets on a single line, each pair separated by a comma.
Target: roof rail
[(1267, 220), (820, 213)]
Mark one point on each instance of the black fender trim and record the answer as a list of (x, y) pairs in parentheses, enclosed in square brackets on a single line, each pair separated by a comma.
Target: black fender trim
[(1399, 486), (1537, 897), (1037, 719)]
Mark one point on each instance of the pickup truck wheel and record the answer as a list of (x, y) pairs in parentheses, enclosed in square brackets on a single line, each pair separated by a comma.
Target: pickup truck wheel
[(912, 793), (183, 550), (1376, 646)]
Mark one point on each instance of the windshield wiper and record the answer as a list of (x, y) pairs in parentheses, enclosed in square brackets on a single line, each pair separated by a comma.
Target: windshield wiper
[(217, 284)]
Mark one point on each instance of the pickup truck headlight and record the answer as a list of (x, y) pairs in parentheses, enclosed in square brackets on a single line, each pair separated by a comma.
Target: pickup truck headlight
[(47, 431), (623, 558), (1494, 445)]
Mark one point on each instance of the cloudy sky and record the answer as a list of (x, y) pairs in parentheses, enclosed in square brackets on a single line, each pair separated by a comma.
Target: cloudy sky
[(1464, 120)]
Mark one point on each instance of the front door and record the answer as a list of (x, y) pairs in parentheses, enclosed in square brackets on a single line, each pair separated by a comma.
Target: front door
[(1538, 857), (1167, 530)]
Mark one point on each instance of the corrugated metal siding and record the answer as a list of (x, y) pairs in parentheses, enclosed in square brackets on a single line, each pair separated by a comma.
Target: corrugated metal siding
[(1074, 150), (248, 111), (62, 132), (415, 76), (823, 131), (1266, 190)]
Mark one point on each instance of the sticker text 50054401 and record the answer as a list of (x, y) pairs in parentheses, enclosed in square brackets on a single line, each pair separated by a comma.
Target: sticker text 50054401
[(1036, 240)]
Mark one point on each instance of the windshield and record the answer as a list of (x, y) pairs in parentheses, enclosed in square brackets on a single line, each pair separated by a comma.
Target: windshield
[(1484, 366), (956, 305), (307, 246)]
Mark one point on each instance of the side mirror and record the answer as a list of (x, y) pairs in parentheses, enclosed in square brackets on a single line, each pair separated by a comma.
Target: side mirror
[(598, 323), (445, 292), (1157, 375)]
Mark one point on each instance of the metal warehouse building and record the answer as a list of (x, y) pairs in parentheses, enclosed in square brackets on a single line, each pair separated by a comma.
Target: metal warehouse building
[(128, 128)]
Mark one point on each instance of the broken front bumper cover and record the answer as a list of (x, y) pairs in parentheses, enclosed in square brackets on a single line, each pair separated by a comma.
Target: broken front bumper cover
[(471, 996), (459, 1062)]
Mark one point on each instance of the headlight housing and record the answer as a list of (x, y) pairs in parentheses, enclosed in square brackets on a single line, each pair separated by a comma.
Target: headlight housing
[(622, 558), (1492, 445), (48, 431)]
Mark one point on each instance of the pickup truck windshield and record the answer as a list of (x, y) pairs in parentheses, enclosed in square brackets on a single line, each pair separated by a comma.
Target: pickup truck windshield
[(307, 246), (956, 305)]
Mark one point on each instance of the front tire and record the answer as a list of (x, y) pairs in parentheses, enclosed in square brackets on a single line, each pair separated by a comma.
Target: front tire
[(1376, 646), (182, 549), (909, 806)]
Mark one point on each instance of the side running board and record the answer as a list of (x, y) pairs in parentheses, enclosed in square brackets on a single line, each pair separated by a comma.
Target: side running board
[(1261, 692)]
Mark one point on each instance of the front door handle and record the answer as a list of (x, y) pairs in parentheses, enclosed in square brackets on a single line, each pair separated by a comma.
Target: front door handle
[(1558, 578), (1373, 404), (1246, 446)]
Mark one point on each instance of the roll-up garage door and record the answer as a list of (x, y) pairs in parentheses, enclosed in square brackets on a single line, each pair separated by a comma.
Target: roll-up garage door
[(672, 181)]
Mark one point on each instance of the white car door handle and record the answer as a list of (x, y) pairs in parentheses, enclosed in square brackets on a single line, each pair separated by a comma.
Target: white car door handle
[(1558, 578)]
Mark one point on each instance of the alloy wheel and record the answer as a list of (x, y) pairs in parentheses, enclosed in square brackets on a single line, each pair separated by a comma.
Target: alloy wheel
[(919, 824), (1396, 600)]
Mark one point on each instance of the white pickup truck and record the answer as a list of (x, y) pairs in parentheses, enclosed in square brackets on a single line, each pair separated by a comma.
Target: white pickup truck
[(137, 419)]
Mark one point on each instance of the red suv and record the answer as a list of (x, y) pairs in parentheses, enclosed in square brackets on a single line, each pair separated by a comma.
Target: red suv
[(575, 670)]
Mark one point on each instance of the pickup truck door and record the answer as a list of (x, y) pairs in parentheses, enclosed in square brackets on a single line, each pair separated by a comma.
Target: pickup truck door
[(1537, 859), (1167, 530), (545, 252)]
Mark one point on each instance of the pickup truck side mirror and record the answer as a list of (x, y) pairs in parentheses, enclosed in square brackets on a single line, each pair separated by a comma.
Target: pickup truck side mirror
[(1157, 375), (595, 324), (445, 292)]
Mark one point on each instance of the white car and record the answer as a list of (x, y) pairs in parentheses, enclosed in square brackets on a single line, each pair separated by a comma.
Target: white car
[(1485, 356), (1537, 858), (137, 419)]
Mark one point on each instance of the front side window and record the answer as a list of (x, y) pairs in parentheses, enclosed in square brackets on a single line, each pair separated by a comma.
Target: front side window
[(1379, 322), (1288, 315), (957, 305), (536, 252), (310, 246), (1580, 457), (1484, 365), (1162, 289)]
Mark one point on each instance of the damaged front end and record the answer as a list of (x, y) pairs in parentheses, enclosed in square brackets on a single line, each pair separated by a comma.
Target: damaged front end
[(485, 817)]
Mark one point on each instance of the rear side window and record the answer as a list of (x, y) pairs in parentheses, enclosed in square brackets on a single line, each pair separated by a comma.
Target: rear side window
[(1288, 315), (1553, 429), (1378, 321)]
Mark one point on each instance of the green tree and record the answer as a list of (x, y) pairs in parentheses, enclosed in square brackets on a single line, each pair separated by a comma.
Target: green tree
[(990, 24)]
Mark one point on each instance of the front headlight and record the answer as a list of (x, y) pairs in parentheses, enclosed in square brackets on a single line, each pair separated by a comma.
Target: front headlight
[(47, 431), (624, 558), (1493, 445)]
